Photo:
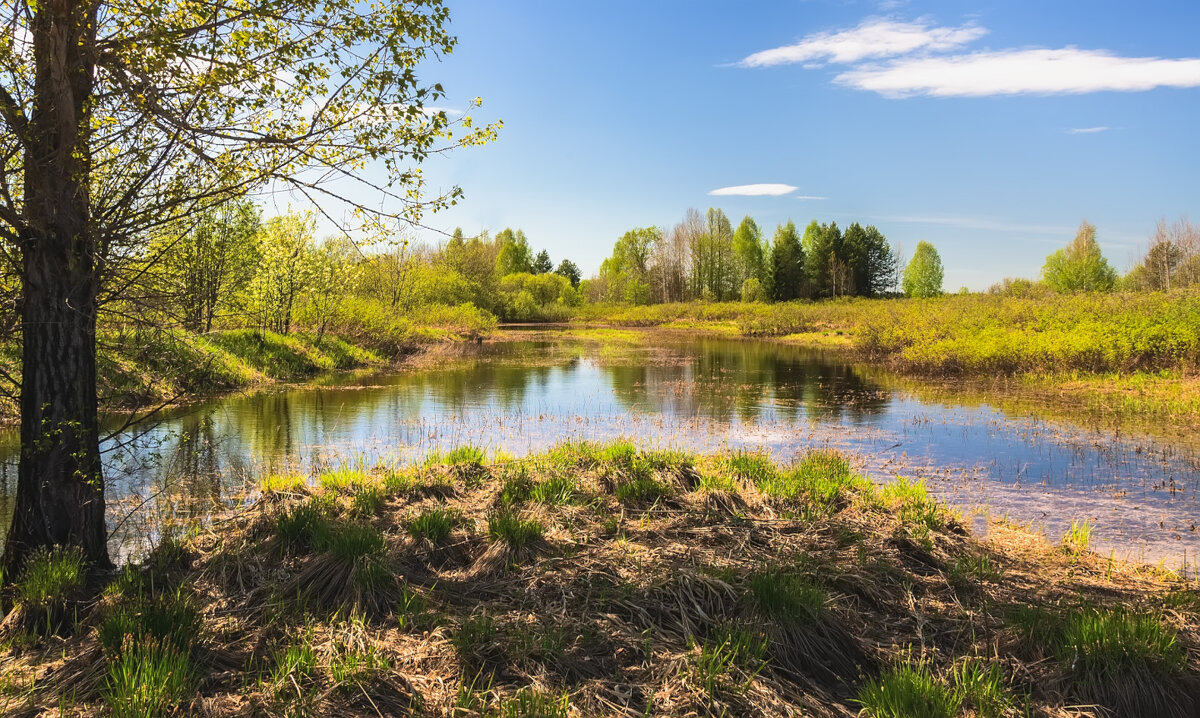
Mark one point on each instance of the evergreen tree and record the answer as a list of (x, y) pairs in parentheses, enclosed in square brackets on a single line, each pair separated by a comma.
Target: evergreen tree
[(823, 262), (570, 270), (542, 264), (787, 264)]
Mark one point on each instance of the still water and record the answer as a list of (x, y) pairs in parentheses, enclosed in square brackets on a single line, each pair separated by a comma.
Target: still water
[(526, 392)]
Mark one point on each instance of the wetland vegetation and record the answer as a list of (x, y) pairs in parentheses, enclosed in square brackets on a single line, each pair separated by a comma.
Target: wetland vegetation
[(604, 579)]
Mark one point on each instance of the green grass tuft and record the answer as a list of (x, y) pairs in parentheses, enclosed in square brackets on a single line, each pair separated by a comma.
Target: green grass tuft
[(470, 456), (51, 576), (283, 484), (729, 649), (306, 527), (822, 478), (147, 679), (368, 501), (1108, 643), (434, 524), (785, 595), (908, 691), (913, 504), (531, 703), (344, 479), (1077, 538), (509, 527), (641, 490)]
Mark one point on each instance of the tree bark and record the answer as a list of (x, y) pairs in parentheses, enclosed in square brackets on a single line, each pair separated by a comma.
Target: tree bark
[(60, 488)]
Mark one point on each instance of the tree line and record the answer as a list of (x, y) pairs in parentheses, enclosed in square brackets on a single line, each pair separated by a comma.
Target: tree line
[(1171, 261), (231, 268), (704, 258)]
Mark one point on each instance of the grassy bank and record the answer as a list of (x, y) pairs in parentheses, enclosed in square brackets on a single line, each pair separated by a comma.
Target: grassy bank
[(604, 580), (1126, 353), (141, 366)]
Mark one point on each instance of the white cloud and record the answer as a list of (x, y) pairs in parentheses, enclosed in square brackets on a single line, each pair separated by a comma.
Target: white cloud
[(1087, 130), (1014, 72), (754, 190), (809, 196), (874, 38)]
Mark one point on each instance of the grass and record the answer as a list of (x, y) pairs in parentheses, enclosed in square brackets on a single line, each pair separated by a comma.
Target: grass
[(434, 525), (148, 678), (47, 589), (908, 691), (531, 703), (294, 606), (641, 490), (912, 690), (785, 595), (344, 479), (911, 501), (148, 640), (1078, 537), (512, 529), (306, 526), (470, 456), (283, 484), (822, 479), (729, 658), (1102, 644)]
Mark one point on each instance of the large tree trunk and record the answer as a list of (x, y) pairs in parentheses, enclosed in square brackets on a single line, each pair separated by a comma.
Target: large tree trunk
[(60, 489)]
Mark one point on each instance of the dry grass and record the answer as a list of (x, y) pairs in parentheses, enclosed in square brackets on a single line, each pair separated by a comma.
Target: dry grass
[(708, 598)]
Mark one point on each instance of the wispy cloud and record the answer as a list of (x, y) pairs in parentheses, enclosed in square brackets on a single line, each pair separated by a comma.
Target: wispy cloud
[(914, 59), (753, 190), (810, 197), (874, 38), (1015, 72), (989, 224), (1087, 130)]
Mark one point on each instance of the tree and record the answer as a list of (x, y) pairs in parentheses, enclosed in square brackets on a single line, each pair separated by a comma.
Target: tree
[(721, 280), (1081, 267), (513, 255), (121, 118), (787, 264), (923, 275), (1172, 261), (204, 267), (542, 263), (823, 262), (570, 270), (286, 268), (870, 260), (748, 251), (331, 270), (625, 273)]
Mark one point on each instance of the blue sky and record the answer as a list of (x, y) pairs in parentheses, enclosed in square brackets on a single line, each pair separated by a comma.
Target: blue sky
[(989, 129)]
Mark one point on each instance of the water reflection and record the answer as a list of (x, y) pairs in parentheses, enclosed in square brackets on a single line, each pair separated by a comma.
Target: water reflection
[(705, 394)]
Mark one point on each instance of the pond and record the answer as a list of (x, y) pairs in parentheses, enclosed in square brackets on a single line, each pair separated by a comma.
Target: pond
[(527, 391)]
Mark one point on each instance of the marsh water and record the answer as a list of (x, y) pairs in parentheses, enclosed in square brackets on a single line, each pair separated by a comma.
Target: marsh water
[(985, 454)]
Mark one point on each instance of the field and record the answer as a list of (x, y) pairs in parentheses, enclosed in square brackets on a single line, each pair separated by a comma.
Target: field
[(604, 580)]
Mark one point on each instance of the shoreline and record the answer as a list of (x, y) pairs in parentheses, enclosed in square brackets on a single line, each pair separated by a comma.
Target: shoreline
[(606, 579)]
